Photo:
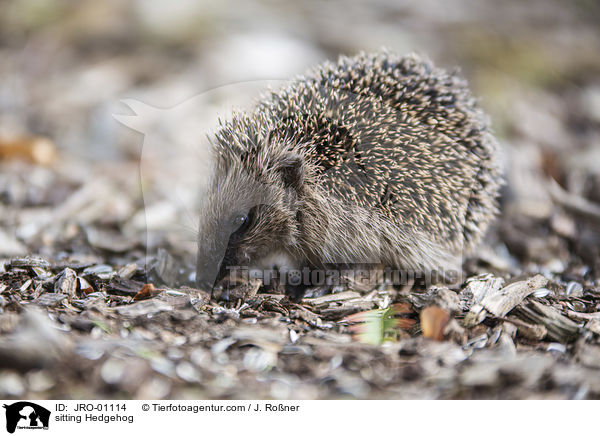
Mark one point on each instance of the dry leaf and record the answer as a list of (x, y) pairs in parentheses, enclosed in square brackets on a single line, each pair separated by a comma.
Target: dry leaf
[(36, 149), (147, 291), (433, 322)]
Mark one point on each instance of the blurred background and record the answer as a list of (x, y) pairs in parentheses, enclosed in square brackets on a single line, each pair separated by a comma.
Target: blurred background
[(76, 189), (65, 66)]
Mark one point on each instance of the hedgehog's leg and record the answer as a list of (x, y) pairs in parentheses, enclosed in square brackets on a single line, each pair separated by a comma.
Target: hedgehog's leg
[(319, 280), (295, 283), (296, 292)]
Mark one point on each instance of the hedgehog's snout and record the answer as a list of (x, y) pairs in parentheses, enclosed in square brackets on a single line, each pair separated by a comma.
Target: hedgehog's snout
[(216, 256), (208, 266)]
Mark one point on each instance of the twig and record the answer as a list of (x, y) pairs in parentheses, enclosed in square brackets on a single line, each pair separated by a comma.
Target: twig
[(573, 202)]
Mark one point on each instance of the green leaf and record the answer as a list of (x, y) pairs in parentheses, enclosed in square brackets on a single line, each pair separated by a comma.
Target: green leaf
[(379, 325)]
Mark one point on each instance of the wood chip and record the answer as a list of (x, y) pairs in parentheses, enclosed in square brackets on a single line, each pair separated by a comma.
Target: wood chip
[(119, 286), (581, 316), (340, 296), (144, 308), (588, 354), (50, 299), (25, 286), (479, 287), (574, 203), (128, 271), (500, 302), (560, 328), (67, 283), (346, 308), (30, 261), (534, 332)]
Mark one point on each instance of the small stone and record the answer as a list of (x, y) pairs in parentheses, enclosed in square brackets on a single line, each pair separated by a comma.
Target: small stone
[(480, 374), (589, 355), (156, 388), (294, 336), (39, 381), (222, 345), (258, 359), (187, 372), (163, 366), (112, 371), (574, 289), (11, 384), (175, 353), (558, 347), (201, 358), (128, 271), (542, 292)]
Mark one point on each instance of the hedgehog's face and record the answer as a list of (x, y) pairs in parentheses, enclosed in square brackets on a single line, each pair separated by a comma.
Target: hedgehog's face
[(246, 217)]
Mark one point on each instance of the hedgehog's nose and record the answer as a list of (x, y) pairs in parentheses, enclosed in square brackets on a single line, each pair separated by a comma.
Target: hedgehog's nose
[(204, 284), (207, 270), (209, 264)]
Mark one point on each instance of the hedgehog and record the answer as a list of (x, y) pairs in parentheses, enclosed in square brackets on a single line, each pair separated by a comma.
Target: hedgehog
[(376, 159)]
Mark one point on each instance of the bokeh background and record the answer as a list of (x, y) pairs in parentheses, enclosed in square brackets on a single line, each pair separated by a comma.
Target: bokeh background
[(72, 189), (65, 65)]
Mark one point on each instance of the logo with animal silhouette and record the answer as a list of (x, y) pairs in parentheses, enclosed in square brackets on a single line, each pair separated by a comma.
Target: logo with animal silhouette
[(26, 415)]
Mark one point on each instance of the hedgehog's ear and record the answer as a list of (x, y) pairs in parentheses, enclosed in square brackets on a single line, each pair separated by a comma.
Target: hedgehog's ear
[(291, 170)]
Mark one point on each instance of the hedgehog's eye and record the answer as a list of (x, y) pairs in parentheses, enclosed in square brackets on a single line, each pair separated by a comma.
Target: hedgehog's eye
[(240, 222)]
